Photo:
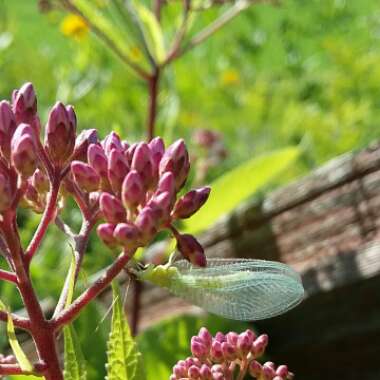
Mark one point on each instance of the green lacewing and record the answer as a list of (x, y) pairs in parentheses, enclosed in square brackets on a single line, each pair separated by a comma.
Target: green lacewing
[(241, 289)]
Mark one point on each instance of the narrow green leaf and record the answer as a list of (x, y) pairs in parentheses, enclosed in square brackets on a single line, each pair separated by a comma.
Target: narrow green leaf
[(22, 359), (124, 358), (152, 31), (71, 279), (238, 184), (75, 365)]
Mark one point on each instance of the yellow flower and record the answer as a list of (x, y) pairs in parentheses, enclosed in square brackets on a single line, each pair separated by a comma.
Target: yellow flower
[(229, 77), (74, 26)]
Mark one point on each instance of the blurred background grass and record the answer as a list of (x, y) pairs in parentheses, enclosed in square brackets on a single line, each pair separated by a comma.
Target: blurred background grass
[(301, 74)]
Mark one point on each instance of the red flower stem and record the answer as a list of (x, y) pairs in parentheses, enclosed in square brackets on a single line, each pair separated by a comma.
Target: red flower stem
[(47, 217), (8, 276), (14, 369), (19, 322), (69, 314), (40, 329), (153, 86)]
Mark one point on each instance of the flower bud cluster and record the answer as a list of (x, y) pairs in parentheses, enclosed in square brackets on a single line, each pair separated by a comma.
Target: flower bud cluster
[(136, 186), (218, 357)]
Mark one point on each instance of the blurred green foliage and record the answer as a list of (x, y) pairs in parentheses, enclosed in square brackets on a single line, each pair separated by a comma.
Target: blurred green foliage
[(303, 73)]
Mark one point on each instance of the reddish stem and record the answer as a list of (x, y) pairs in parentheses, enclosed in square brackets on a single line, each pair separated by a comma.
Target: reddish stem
[(8, 276), (19, 322), (137, 289), (153, 84), (14, 369), (74, 309), (40, 329), (47, 217)]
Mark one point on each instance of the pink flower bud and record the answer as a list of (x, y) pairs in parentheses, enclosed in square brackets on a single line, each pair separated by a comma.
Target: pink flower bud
[(205, 336), (220, 337), (23, 150), (111, 142), (282, 371), (191, 361), (132, 191), (157, 148), (190, 203), (82, 142), (127, 234), (117, 169), (259, 345), (6, 195), (268, 371), (7, 127), (191, 250), (229, 351), (216, 351), (142, 163), (198, 349), (278, 378), (255, 369), (105, 233), (180, 371), (166, 184), (60, 133), (85, 176), (98, 160), (205, 372), (40, 181), (193, 372), (217, 369), (161, 205), (112, 208), (232, 338), (176, 160), (244, 343), (130, 152), (147, 224), (24, 103)]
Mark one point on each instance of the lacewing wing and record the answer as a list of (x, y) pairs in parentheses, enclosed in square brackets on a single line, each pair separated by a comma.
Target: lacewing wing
[(240, 289)]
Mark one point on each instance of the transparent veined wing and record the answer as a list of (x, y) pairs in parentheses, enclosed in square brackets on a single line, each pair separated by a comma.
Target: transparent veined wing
[(240, 289)]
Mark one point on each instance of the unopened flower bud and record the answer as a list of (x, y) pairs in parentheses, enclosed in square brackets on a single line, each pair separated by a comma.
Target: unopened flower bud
[(112, 208), (217, 372), (23, 150), (166, 184), (142, 163), (132, 190), (255, 369), (24, 103), (244, 343), (229, 351), (6, 195), (82, 142), (198, 349), (193, 372), (7, 127), (190, 203), (161, 205), (127, 234), (232, 338), (147, 224), (220, 337), (85, 176), (282, 371), (40, 181), (176, 160), (105, 233), (268, 371), (259, 345), (180, 370), (60, 133), (191, 250), (157, 148), (205, 336), (111, 142), (130, 152), (117, 169), (216, 351), (97, 159), (205, 372)]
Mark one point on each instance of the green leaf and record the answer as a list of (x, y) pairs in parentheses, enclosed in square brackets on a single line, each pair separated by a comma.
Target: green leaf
[(152, 32), (238, 184), (124, 358), (75, 364)]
